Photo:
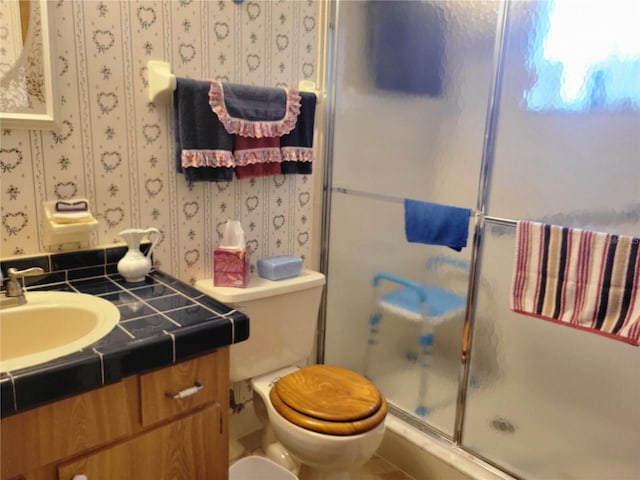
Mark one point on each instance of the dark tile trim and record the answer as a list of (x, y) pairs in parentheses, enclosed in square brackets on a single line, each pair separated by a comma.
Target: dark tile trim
[(193, 341), (72, 375), (148, 354), (82, 258), (114, 254), (7, 395), (240, 327)]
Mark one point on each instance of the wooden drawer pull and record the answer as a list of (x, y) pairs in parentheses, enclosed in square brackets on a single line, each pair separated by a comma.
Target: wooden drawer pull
[(187, 392)]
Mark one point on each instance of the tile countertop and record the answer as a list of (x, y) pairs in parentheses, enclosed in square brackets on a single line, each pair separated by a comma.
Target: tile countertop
[(162, 321)]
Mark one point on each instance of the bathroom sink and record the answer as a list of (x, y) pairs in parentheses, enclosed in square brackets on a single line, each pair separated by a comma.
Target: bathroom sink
[(50, 325)]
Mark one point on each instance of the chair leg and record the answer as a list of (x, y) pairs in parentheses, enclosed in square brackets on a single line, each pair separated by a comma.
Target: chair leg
[(425, 347), (374, 330)]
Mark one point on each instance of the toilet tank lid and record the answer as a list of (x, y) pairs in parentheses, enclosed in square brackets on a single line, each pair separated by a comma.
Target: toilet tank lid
[(259, 287)]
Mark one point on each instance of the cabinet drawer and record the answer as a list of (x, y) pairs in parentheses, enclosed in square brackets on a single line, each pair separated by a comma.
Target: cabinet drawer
[(177, 389)]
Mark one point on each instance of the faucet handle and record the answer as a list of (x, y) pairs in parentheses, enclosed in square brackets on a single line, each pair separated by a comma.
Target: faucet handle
[(13, 286), (12, 273)]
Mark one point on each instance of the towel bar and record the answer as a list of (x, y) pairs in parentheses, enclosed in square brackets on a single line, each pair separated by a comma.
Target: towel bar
[(162, 82)]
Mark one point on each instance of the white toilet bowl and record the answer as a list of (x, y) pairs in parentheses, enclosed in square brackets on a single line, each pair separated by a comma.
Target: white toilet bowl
[(323, 456)]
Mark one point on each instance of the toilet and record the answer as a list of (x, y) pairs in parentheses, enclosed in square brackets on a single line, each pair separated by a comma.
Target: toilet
[(326, 418)]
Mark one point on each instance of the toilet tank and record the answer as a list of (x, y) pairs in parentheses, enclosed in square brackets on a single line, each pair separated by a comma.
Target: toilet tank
[(283, 315)]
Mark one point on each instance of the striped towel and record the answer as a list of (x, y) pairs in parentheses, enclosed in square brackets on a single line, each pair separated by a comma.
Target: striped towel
[(583, 279)]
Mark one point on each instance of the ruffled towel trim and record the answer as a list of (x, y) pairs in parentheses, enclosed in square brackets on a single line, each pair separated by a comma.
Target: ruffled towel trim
[(297, 154), (207, 158), (261, 155), (250, 128)]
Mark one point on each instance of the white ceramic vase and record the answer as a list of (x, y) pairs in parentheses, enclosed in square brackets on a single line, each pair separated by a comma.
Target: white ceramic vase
[(135, 265)]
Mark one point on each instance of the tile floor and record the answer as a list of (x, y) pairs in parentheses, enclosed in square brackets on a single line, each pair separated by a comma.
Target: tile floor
[(375, 469)]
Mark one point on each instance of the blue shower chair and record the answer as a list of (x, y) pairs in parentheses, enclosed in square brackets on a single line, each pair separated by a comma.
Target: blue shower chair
[(427, 304)]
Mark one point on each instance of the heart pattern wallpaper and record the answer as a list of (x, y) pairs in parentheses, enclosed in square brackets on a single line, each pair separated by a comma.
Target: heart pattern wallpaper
[(116, 148)]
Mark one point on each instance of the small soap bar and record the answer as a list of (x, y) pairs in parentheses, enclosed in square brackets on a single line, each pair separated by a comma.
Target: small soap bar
[(279, 267)]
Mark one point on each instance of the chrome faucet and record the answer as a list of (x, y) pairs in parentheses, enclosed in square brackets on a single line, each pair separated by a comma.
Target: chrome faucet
[(14, 292)]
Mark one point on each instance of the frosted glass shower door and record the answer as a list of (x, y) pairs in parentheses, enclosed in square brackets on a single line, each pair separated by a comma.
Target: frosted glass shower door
[(559, 403), (412, 86)]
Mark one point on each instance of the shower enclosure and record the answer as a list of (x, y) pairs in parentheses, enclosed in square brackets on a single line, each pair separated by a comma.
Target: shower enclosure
[(472, 104)]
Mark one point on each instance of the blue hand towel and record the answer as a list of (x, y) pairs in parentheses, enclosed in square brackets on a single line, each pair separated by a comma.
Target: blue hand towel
[(436, 224)]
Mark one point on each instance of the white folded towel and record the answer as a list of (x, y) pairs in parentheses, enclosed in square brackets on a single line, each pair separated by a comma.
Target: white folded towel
[(71, 217)]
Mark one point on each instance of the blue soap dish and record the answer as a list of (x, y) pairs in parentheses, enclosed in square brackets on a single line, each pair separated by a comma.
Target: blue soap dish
[(279, 267)]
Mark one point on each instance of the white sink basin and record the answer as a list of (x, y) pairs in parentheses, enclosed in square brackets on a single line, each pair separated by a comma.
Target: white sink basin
[(50, 325)]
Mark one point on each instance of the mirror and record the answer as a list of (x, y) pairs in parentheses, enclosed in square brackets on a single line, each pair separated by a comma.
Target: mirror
[(27, 97)]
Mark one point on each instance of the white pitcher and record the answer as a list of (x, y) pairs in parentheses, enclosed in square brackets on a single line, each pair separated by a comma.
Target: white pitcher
[(135, 265)]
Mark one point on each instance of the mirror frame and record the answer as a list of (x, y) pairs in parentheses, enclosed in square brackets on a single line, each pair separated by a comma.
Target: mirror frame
[(48, 118)]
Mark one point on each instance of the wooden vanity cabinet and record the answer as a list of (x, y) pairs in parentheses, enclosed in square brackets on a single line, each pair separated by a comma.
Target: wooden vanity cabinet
[(132, 429)]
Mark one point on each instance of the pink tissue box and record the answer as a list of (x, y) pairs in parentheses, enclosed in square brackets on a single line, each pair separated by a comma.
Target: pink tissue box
[(230, 267)]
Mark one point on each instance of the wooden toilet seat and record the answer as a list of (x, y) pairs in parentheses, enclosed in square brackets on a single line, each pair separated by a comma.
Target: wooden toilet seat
[(330, 400)]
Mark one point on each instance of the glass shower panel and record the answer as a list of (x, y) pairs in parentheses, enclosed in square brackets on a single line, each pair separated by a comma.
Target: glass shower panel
[(545, 400), (412, 86), (369, 239), (569, 154), (393, 136), (558, 402)]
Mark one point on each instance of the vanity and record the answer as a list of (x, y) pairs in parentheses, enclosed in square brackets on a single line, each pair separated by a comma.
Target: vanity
[(149, 400)]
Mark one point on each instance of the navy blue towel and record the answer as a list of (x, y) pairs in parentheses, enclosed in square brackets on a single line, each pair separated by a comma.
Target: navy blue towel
[(436, 224), (199, 135), (297, 146)]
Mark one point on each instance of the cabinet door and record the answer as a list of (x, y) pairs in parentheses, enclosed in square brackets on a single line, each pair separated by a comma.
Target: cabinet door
[(186, 449), (45, 435)]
